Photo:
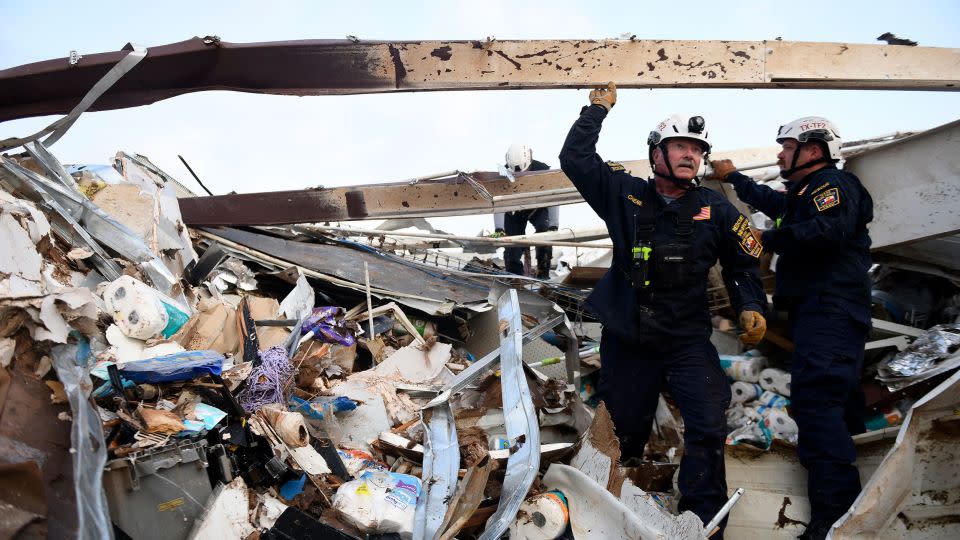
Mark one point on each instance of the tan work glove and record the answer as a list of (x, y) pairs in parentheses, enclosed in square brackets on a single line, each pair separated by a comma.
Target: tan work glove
[(721, 170), (754, 326), (605, 97)]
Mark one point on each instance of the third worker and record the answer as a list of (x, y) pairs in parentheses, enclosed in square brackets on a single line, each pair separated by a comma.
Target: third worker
[(823, 284), (519, 158)]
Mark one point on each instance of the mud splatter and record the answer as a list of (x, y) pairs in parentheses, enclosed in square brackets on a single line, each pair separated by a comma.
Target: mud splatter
[(508, 59), (783, 520), (443, 53), (400, 72)]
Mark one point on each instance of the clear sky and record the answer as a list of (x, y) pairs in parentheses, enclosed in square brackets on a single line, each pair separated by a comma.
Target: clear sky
[(247, 143)]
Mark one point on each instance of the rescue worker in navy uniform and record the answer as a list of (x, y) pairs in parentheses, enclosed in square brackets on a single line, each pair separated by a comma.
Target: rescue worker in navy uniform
[(667, 233), (824, 256), (519, 158)]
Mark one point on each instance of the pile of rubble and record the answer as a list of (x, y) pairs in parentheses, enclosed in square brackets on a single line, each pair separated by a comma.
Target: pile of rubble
[(263, 382), (232, 392)]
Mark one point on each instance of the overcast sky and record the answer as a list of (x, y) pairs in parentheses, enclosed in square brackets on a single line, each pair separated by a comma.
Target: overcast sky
[(248, 143)]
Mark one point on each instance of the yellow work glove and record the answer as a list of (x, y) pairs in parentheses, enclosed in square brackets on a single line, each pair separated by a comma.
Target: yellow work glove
[(754, 326), (605, 97), (721, 170)]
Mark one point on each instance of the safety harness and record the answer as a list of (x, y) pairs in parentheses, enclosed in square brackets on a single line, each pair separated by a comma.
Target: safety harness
[(651, 265)]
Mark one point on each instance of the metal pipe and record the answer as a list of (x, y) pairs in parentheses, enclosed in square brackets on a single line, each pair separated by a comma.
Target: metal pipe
[(544, 193), (724, 510), (505, 241)]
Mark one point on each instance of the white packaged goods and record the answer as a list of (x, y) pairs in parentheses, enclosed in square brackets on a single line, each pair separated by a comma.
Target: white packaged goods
[(743, 368), (379, 501), (775, 380), (742, 392)]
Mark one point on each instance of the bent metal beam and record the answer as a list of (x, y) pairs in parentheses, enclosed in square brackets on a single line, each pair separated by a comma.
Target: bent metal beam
[(433, 198), (329, 67)]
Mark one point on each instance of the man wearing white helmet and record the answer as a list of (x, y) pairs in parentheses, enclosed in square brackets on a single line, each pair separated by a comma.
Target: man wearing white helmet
[(519, 158), (667, 233), (822, 283)]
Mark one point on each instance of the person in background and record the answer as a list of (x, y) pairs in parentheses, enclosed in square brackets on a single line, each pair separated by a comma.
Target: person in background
[(519, 158)]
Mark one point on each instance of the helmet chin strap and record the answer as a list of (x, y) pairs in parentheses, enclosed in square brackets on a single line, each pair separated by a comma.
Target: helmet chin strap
[(679, 182), (794, 167)]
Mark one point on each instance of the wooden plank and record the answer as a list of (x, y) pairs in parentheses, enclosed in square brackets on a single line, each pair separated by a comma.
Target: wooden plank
[(843, 66)]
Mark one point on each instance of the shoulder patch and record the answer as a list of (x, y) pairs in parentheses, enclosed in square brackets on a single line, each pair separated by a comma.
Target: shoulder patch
[(616, 167), (827, 199), (635, 200), (703, 215), (748, 241)]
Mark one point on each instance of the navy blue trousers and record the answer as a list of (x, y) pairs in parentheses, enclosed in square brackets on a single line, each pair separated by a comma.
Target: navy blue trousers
[(515, 224), (827, 399), (631, 377)]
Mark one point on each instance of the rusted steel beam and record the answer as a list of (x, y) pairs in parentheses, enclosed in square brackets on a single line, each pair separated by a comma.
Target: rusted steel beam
[(380, 201), (321, 67), (405, 200)]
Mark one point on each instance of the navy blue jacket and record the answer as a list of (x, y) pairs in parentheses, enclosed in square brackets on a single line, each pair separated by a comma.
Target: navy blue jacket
[(719, 231), (821, 235)]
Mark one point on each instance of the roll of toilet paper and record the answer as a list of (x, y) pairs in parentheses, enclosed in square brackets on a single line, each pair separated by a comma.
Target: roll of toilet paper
[(743, 368), (742, 392), (775, 380), (780, 424), (773, 400), (541, 517)]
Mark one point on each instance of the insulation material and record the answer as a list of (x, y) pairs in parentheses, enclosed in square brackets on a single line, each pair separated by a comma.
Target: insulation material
[(226, 514), (309, 460), (167, 232), (364, 424), (599, 453), (416, 363), (299, 302)]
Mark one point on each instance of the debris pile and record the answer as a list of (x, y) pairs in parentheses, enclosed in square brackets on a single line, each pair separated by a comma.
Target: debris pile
[(245, 381)]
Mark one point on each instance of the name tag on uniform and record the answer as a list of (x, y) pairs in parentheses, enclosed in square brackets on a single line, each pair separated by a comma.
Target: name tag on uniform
[(615, 167)]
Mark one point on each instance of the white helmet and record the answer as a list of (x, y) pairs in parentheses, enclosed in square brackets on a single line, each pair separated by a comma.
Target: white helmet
[(680, 125), (813, 128), (519, 157)]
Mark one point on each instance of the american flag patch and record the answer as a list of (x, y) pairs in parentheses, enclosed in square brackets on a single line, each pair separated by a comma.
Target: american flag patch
[(704, 214)]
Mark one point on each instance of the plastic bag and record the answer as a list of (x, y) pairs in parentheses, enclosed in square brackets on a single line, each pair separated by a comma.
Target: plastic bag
[(182, 366), (380, 501)]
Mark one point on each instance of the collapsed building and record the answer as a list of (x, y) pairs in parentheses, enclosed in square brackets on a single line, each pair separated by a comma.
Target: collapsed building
[(240, 365)]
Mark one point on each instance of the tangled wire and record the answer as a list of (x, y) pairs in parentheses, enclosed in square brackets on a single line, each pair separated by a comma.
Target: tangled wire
[(266, 383)]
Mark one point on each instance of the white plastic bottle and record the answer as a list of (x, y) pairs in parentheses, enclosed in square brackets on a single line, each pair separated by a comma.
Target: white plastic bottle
[(139, 312)]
